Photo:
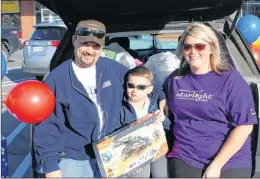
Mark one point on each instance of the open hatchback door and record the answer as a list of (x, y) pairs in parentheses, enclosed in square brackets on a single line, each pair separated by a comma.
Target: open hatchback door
[(153, 17)]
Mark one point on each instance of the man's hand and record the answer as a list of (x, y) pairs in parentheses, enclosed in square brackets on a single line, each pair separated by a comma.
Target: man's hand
[(212, 172), (54, 174)]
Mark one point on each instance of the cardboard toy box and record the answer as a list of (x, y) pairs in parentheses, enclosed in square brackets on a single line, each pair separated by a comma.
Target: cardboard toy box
[(134, 146)]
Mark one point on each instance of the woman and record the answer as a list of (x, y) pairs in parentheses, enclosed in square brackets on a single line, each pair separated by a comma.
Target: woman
[(213, 111)]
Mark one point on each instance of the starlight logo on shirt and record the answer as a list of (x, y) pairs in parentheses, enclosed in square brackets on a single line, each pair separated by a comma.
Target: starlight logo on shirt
[(194, 95)]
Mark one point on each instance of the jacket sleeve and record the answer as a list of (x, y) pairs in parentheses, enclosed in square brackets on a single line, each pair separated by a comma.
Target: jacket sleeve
[(47, 139), (162, 95), (166, 124), (121, 118), (125, 117)]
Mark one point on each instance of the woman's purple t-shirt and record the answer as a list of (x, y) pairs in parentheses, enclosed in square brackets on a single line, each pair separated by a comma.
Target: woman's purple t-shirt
[(206, 108)]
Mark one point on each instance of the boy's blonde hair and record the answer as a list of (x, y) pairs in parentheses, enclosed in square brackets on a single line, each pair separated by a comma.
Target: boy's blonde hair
[(141, 71), (205, 33)]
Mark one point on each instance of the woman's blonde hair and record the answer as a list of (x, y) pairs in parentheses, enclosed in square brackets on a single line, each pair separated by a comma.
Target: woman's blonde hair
[(202, 32)]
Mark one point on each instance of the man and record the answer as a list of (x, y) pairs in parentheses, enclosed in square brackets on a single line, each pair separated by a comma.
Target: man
[(89, 92)]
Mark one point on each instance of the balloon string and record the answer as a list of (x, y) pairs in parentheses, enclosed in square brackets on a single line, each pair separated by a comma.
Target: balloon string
[(4, 102)]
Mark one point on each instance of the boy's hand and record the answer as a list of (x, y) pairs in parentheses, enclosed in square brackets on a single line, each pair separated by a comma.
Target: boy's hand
[(159, 115), (54, 174)]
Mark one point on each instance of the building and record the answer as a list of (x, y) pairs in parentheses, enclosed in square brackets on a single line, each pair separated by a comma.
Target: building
[(24, 14), (251, 7)]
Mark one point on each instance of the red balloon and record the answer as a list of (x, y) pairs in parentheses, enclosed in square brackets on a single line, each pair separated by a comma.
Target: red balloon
[(31, 101)]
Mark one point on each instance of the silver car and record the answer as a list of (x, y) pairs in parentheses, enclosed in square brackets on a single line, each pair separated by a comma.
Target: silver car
[(39, 49)]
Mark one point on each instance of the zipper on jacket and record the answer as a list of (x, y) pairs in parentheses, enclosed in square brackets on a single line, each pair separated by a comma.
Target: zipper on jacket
[(91, 102), (152, 107), (102, 111), (105, 122), (132, 109)]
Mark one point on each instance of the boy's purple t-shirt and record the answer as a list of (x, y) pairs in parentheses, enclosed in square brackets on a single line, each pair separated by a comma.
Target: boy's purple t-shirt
[(206, 108)]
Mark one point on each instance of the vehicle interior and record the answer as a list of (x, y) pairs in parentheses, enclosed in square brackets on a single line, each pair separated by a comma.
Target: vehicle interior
[(163, 17), (143, 46)]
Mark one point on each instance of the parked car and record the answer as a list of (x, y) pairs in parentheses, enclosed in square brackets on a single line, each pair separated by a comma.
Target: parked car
[(41, 46), (135, 18), (10, 40)]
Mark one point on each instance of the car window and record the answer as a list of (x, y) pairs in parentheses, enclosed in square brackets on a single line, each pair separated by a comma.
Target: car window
[(163, 41), (141, 42), (11, 20), (48, 33), (167, 41)]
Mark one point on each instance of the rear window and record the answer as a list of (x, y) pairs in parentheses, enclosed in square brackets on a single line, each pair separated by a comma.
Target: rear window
[(48, 33), (162, 42)]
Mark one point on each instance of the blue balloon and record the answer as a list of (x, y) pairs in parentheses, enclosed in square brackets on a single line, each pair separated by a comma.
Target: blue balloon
[(3, 65), (249, 27)]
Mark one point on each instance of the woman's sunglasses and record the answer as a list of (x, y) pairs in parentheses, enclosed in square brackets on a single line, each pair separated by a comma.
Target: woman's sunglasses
[(139, 87), (198, 46), (84, 31)]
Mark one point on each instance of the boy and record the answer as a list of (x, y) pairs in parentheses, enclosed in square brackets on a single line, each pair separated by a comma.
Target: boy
[(142, 99)]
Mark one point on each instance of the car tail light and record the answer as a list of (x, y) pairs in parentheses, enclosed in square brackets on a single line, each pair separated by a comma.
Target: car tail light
[(26, 42), (54, 43), (19, 35), (13, 32)]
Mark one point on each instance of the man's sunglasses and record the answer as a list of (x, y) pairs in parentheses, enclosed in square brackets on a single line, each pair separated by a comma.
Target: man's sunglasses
[(84, 31), (198, 47), (139, 87)]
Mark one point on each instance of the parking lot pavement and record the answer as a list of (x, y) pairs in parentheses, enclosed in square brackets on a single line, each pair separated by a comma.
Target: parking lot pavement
[(16, 132)]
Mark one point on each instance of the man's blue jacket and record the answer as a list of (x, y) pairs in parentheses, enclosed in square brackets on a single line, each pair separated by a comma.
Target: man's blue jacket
[(75, 124)]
